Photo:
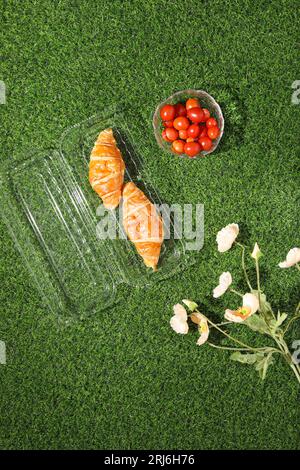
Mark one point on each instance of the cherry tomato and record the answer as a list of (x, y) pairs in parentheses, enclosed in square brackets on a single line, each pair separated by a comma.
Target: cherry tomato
[(168, 123), (213, 132), (190, 139), (192, 103), (206, 113), (180, 109), (171, 134), (192, 148), (211, 122), (195, 114), (205, 143), (181, 123), (164, 136), (203, 131), (193, 130), (178, 146), (167, 112), (183, 134)]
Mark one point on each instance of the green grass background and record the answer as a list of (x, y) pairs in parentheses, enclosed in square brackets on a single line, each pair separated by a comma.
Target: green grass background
[(123, 379)]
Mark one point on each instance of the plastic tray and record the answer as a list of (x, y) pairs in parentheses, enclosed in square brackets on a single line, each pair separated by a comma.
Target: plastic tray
[(74, 270)]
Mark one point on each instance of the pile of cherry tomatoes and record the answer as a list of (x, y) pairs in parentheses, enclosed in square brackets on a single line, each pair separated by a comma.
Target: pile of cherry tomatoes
[(188, 128)]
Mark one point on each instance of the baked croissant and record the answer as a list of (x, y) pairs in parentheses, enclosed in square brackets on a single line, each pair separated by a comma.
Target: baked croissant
[(106, 171), (142, 224)]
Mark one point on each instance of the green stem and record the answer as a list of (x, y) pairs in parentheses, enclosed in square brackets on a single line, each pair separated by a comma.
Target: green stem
[(293, 318), (298, 266), (236, 292), (288, 357), (244, 266), (244, 345), (227, 348), (262, 350), (258, 281), (223, 323)]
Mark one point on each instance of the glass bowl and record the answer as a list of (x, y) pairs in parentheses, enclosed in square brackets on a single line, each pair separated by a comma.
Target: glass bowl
[(206, 101)]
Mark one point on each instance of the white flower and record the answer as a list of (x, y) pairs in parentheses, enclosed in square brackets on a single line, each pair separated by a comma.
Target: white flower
[(190, 304), (250, 306), (234, 315), (180, 312), (292, 258), (203, 329), (226, 237), (256, 253), (225, 280), (251, 301), (179, 320)]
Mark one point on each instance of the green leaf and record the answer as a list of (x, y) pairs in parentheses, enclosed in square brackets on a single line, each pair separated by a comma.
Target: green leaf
[(248, 358), (260, 361), (275, 324), (190, 304), (281, 317), (257, 323), (263, 364), (265, 306)]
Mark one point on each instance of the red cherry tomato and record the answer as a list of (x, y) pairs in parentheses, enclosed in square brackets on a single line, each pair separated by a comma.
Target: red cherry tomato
[(205, 143), (181, 123), (180, 109), (192, 103), (164, 136), (168, 123), (195, 115), (211, 122), (206, 113), (183, 134), (193, 130), (192, 148), (171, 134), (213, 132), (167, 112), (203, 131), (178, 146), (190, 139)]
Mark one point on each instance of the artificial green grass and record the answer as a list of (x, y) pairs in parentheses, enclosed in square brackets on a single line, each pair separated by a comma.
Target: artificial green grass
[(123, 379)]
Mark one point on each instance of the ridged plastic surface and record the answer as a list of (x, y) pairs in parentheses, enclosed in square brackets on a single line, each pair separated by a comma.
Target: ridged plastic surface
[(52, 214)]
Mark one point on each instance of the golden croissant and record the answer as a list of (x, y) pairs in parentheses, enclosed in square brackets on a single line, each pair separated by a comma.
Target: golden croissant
[(106, 171), (142, 224)]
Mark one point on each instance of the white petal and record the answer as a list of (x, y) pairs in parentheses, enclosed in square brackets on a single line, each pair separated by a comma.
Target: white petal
[(218, 291), (230, 316), (178, 325), (202, 338), (292, 258), (251, 301), (256, 253), (180, 312), (225, 280), (204, 330), (226, 237)]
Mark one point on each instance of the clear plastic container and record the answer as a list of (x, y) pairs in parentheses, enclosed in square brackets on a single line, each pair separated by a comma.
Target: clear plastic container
[(206, 100), (51, 211)]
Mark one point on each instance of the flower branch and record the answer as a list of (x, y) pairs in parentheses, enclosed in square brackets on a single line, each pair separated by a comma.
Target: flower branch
[(255, 312)]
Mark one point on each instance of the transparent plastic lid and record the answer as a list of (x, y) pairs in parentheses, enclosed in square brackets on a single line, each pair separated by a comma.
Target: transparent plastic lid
[(54, 217)]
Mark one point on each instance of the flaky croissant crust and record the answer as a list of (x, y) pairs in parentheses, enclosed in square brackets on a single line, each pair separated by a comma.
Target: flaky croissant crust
[(106, 169), (142, 224)]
